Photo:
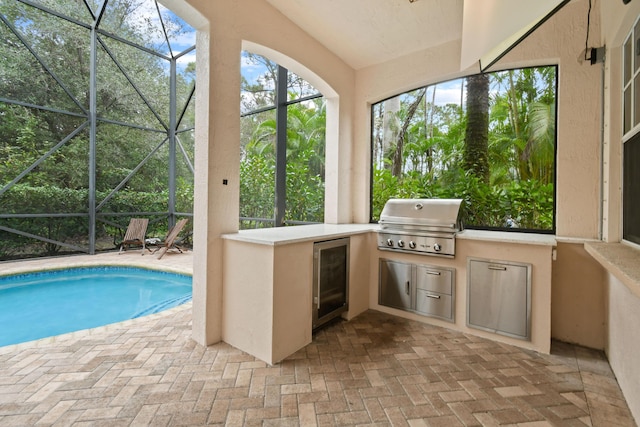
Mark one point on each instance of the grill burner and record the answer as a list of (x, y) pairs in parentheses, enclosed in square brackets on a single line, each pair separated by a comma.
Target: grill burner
[(423, 226)]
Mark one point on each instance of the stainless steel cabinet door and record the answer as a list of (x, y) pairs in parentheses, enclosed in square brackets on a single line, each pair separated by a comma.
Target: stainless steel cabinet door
[(396, 285), (499, 297)]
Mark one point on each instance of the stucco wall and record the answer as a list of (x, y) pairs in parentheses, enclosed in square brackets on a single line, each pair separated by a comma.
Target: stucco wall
[(255, 24), (622, 343), (359, 276), (623, 340), (251, 333), (577, 299), (561, 41), (293, 276), (232, 25)]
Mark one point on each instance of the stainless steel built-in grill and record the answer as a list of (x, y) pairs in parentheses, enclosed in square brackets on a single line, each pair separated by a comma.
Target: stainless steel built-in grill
[(423, 226)]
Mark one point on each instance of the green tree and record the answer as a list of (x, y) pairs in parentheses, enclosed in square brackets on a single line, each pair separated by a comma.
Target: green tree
[(305, 146), (523, 115), (506, 178), (45, 71), (398, 157), (305, 165)]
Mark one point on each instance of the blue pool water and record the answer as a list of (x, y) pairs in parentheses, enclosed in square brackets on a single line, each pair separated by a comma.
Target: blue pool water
[(48, 303)]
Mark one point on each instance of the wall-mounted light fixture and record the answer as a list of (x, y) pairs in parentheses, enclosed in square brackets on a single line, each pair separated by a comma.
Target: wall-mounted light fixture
[(625, 1), (597, 54)]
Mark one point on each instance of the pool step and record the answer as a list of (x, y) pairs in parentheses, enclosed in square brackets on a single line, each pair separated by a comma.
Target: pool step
[(163, 305)]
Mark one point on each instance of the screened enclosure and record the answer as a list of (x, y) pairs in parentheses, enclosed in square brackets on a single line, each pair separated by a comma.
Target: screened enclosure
[(96, 123)]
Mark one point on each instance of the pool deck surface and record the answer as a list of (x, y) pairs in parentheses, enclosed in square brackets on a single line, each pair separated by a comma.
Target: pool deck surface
[(376, 369), (171, 261)]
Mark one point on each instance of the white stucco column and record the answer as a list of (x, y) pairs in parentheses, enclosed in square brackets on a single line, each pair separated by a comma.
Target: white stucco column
[(217, 166), (338, 137)]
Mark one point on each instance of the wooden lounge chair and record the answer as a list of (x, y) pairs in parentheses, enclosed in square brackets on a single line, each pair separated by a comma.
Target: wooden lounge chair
[(135, 235), (170, 241)]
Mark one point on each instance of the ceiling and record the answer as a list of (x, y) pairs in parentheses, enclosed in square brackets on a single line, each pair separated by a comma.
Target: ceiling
[(368, 32)]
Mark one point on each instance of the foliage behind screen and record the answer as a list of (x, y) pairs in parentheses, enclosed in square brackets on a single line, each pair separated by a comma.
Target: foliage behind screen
[(490, 143), (45, 121), (305, 146)]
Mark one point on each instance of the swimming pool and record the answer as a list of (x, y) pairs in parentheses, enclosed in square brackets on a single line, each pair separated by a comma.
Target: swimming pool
[(48, 303)]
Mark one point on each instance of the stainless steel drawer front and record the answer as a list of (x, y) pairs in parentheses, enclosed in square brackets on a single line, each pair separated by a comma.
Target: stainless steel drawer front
[(423, 289), (434, 279), (434, 304)]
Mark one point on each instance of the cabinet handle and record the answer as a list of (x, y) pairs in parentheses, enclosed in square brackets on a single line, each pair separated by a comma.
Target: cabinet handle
[(497, 267), (407, 288), (434, 273), (433, 296)]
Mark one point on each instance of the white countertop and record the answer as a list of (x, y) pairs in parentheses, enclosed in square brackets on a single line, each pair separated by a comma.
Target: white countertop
[(316, 232), (509, 237), (619, 259), (299, 233)]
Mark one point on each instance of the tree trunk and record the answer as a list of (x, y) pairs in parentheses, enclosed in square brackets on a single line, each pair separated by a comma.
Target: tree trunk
[(397, 156), (390, 127), (476, 139), (429, 134)]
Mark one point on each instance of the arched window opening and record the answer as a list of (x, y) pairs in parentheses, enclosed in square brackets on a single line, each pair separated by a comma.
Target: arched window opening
[(282, 146)]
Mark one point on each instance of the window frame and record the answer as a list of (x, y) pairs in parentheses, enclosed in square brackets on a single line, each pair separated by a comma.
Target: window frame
[(630, 126), (281, 109), (552, 230)]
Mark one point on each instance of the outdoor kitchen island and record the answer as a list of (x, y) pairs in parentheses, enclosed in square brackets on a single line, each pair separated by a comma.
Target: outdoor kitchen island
[(267, 285), (496, 250), (268, 275)]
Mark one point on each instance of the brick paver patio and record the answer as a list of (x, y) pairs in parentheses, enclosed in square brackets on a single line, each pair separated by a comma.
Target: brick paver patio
[(377, 369)]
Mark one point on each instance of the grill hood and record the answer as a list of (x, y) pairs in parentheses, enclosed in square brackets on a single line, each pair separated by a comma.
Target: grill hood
[(421, 226), (426, 214)]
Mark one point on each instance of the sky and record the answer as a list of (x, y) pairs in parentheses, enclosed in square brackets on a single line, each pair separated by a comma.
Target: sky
[(148, 12), (446, 92), (183, 41), (250, 71)]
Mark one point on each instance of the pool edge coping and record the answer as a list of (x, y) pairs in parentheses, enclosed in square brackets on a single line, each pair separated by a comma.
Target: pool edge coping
[(85, 264), (99, 329), (84, 333)]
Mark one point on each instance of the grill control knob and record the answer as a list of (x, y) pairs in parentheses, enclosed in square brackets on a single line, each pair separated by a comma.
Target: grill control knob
[(401, 243), (389, 242), (412, 244), (436, 247)]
